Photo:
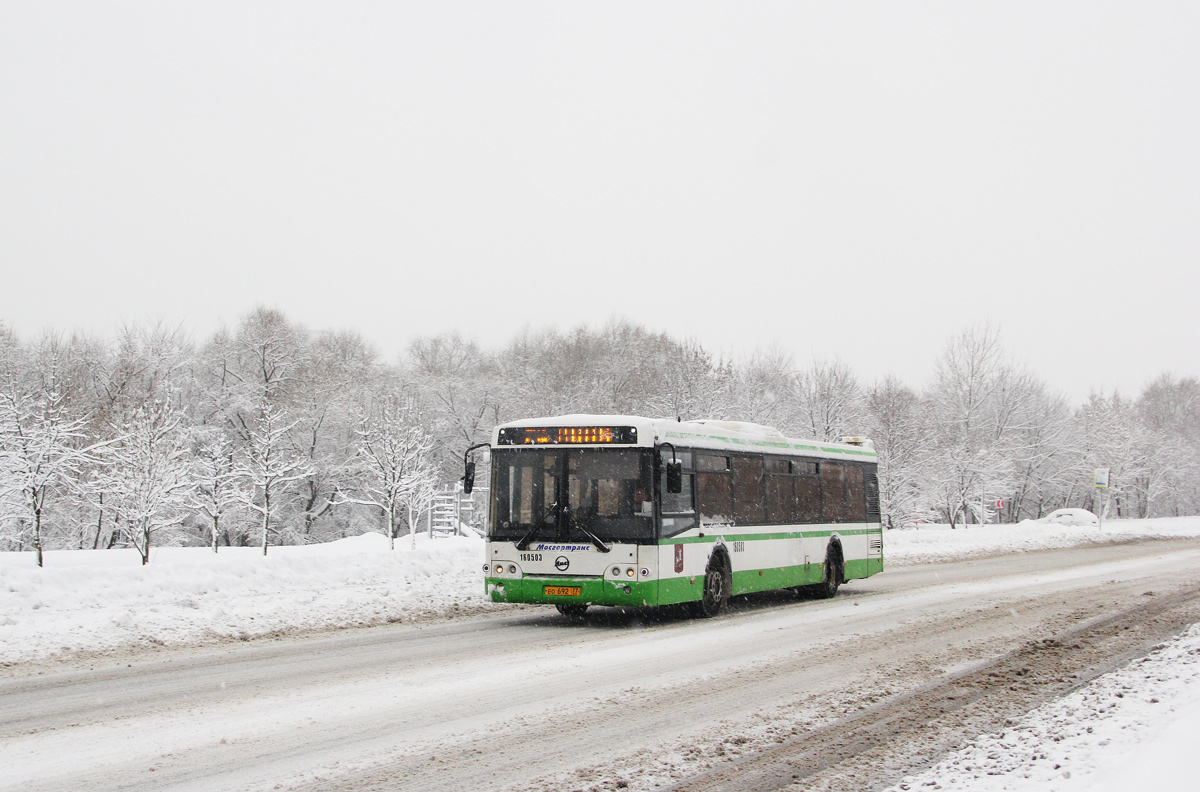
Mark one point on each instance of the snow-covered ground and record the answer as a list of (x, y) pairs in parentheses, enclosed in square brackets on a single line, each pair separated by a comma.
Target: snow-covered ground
[(1130, 729), (96, 601), (1127, 725)]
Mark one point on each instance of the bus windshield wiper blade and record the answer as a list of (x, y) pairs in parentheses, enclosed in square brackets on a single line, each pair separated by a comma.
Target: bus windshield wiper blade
[(603, 548), (528, 537)]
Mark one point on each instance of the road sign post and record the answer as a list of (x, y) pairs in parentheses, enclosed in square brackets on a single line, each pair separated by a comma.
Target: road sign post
[(1100, 480)]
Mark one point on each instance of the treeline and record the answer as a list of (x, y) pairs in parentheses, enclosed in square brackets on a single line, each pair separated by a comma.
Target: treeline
[(268, 433)]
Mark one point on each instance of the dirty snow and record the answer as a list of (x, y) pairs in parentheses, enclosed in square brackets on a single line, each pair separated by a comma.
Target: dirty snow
[(1131, 725), (1133, 728)]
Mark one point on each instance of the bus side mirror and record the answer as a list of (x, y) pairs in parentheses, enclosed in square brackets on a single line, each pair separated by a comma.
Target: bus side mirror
[(675, 477), (469, 478)]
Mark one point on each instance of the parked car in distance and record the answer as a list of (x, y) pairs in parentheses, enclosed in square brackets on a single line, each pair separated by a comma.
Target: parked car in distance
[(1071, 517)]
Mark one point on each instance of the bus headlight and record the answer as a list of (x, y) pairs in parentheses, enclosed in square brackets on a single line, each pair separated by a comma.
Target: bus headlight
[(485, 568), (645, 572), (629, 572), (513, 569), (616, 571)]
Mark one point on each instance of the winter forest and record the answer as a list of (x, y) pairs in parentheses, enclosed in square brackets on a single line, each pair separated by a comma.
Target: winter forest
[(269, 434)]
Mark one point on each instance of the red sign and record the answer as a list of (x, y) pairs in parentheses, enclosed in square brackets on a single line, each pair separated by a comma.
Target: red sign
[(999, 504)]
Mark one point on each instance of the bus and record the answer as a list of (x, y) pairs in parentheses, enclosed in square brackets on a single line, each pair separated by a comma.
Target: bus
[(627, 511)]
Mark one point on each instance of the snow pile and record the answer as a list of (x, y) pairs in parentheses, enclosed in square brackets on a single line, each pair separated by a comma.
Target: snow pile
[(932, 543), (1133, 728), (99, 600)]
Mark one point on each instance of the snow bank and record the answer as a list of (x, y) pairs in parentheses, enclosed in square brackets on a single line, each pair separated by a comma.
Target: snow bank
[(1132, 729), (86, 601), (101, 600), (933, 543)]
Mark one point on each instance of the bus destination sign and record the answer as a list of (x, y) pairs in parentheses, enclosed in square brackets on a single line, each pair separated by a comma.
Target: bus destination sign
[(574, 435)]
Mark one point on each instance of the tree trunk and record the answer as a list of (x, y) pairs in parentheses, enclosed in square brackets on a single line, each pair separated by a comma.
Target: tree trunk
[(266, 518), (99, 523), (37, 534)]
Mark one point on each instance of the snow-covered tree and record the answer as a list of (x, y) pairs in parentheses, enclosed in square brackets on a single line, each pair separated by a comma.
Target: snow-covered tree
[(1045, 461), (1169, 409), (896, 424), (270, 465), (42, 446), (1114, 437), (339, 371), (829, 401), (969, 465), (147, 476), (762, 391), (394, 464), (217, 483)]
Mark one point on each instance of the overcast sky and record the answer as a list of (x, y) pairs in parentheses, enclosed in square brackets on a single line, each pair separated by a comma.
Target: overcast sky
[(839, 180)]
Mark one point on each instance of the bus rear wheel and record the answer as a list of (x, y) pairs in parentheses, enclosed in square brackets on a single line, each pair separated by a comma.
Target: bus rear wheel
[(717, 586), (828, 587), (572, 611)]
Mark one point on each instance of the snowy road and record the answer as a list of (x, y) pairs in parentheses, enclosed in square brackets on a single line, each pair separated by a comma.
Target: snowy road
[(841, 694)]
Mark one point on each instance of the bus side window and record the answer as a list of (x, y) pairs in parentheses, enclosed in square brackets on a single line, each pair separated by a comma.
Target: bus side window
[(808, 492), (856, 496), (677, 503), (714, 489), (780, 498), (872, 487), (678, 512), (808, 499), (833, 492), (748, 491)]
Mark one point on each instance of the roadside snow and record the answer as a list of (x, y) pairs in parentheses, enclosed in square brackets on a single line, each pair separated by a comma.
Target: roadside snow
[(88, 601), (932, 543), (1134, 725), (1133, 728)]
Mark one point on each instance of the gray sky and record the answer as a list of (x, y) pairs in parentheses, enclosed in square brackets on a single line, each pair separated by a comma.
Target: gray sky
[(849, 180)]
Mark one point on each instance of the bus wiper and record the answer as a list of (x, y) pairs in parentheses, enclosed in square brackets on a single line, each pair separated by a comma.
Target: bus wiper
[(603, 548), (528, 537), (551, 519)]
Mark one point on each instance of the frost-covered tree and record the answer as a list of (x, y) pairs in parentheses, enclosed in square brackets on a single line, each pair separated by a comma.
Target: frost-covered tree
[(151, 363), (147, 475), (687, 385), (340, 369), (762, 390), (217, 489), (393, 464), (42, 446), (896, 423), (1169, 410), (969, 464), (1113, 437), (456, 390), (270, 466), (1044, 458), (829, 401)]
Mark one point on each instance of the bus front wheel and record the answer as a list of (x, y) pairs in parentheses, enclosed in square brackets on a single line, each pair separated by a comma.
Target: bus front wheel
[(717, 586)]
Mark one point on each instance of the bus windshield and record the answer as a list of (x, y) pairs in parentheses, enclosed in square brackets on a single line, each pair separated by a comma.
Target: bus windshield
[(581, 495)]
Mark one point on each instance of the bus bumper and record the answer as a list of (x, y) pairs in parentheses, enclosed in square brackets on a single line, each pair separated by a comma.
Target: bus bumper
[(592, 591)]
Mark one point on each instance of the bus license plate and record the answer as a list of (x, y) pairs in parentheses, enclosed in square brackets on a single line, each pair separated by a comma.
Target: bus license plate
[(561, 591)]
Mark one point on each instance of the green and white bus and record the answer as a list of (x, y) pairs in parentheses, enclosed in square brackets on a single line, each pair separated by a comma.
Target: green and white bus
[(626, 511)]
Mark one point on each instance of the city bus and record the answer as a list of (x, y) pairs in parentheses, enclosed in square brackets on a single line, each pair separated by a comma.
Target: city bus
[(627, 511)]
